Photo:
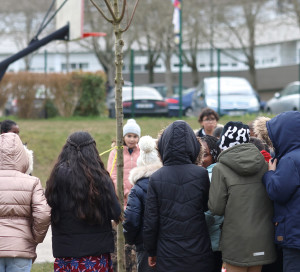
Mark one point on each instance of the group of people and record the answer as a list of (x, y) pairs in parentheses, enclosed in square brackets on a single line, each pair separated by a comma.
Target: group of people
[(224, 198)]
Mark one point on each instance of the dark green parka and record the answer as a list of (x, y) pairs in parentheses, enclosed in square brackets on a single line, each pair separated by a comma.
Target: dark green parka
[(237, 192)]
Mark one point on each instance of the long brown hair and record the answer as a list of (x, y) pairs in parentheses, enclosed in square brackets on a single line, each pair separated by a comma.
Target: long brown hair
[(79, 182)]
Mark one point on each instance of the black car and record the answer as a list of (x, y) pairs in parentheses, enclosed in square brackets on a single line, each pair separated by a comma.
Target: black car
[(146, 101)]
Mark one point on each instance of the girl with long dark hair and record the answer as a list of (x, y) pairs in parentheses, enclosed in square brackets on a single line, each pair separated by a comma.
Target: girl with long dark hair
[(83, 201)]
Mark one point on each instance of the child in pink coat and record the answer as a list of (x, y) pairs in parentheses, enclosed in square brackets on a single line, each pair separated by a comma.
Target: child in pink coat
[(131, 152)]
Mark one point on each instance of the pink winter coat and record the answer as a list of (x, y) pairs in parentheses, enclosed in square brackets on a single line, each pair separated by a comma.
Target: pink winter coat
[(24, 212), (129, 163)]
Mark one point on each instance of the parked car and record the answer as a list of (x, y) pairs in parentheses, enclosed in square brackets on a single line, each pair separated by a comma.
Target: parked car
[(173, 103), (147, 101), (286, 100), (237, 97), (162, 88)]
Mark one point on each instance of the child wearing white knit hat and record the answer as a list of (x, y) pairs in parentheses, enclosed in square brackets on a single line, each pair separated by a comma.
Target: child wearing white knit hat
[(148, 152), (148, 162), (131, 152), (131, 127)]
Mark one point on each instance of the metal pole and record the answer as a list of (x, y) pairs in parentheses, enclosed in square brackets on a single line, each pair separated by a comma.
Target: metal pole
[(132, 81), (219, 85), (180, 59), (45, 61)]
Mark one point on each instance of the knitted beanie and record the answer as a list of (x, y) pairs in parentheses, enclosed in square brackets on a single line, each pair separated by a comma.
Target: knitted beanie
[(234, 133), (148, 152), (132, 127)]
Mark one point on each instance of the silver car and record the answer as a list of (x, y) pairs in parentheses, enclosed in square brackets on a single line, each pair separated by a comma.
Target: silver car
[(287, 100), (237, 97)]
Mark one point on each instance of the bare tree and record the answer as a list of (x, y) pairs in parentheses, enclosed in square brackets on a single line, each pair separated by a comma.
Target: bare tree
[(152, 27), (197, 30), (237, 24), (103, 46), (168, 48), (290, 7), (22, 19), (116, 12), (168, 45)]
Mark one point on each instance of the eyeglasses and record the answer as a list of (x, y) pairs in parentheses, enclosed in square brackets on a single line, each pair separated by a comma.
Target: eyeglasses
[(210, 120)]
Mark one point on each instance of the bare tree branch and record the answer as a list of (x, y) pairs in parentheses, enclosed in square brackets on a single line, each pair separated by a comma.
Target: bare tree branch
[(111, 11), (135, 6), (123, 12), (102, 13)]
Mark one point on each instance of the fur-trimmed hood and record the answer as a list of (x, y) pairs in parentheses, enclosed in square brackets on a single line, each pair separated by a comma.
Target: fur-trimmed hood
[(30, 160), (282, 131), (143, 172), (261, 131)]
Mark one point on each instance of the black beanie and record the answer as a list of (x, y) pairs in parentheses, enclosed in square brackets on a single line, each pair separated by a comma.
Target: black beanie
[(234, 133)]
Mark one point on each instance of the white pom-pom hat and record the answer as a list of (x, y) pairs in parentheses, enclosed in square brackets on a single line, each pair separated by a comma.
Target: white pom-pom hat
[(148, 152), (131, 127)]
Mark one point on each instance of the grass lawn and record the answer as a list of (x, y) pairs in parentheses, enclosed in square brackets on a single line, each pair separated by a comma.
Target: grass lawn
[(46, 137), (42, 267)]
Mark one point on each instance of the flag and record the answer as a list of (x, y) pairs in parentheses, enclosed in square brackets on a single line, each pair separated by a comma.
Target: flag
[(176, 19), (176, 16)]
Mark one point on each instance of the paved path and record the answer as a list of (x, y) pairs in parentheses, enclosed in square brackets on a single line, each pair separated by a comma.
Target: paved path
[(44, 250)]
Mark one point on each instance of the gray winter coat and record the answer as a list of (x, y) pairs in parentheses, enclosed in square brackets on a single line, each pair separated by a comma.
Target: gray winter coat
[(237, 192)]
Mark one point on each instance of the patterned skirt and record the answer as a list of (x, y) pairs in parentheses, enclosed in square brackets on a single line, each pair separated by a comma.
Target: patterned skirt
[(100, 263)]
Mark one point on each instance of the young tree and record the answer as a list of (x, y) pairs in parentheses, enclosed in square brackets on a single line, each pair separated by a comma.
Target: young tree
[(116, 14)]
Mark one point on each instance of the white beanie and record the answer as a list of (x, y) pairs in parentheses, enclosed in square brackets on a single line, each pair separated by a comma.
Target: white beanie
[(132, 127), (148, 152)]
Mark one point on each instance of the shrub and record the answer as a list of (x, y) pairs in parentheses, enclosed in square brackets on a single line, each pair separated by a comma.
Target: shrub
[(65, 92), (5, 91), (24, 88), (92, 100), (40, 95)]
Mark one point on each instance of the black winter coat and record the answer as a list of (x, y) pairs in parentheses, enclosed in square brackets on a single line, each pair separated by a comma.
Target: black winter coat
[(72, 237), (175, 230)]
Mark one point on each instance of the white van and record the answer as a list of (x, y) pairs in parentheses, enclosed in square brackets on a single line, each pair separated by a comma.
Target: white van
[(237, 97)]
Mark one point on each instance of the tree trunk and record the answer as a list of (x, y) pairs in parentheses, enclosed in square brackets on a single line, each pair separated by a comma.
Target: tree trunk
[(195, 75), (119, 43), (252, 71), (151, 74), (168, 75), (193, 64), (252, 68), (150, 66), (27, 63)]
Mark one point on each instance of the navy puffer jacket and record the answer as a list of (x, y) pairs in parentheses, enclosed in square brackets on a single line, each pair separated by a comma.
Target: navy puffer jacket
[(134, 213), (175, 230), (283, 184)]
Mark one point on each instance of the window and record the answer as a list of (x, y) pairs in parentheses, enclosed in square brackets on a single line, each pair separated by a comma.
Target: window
[(294, 90), (83, 66), (74, 66)]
